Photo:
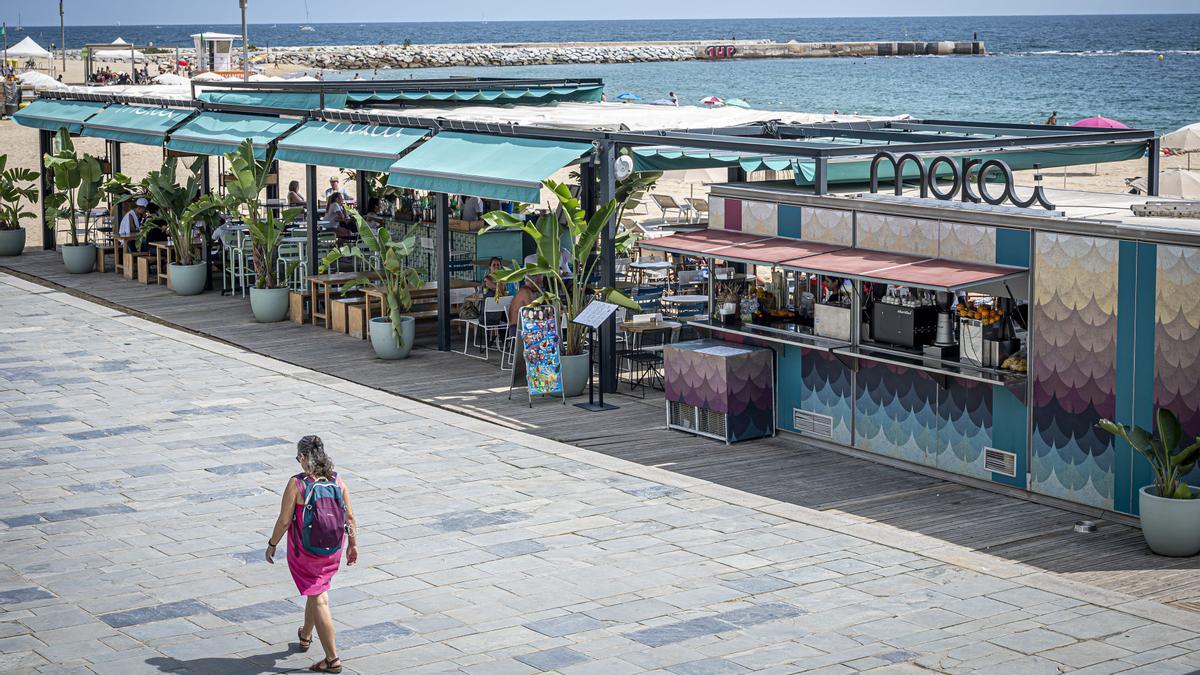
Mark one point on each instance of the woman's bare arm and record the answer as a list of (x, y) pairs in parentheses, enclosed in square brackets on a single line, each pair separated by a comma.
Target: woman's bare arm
[(287, 511), (351, 529)]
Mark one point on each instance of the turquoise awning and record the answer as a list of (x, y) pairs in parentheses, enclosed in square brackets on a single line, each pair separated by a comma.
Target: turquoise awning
[(493, 167), (533, 95), (351, 146), (214, 133), (53, 114), (134, 123), (681, 159), (275, 99), (859, 170)]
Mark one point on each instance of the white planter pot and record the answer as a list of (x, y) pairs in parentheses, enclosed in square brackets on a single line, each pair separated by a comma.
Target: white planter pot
[(188, 279), (1171, 526), (12, 242), (383, 340), (269, 304), (79, 259), (575, 373)]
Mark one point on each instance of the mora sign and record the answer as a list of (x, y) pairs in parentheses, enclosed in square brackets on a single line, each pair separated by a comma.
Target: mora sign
[(961, 173)]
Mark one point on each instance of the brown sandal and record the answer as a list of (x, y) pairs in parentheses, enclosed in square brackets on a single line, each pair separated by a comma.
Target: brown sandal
[(304, 644), (327, 665)]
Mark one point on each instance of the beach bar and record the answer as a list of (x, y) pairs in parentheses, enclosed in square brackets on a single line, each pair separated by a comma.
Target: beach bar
[(917, 306)]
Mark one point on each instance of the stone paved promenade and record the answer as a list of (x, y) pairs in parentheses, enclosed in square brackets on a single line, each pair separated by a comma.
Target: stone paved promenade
[(142, 468)]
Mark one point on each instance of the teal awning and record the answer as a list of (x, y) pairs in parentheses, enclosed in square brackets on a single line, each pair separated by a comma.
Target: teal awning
[(859, 170), (351, 146), (493, 167), (53, 114), (134, 123), (681, 159), (275, 99), (214, 133), (533, 95)]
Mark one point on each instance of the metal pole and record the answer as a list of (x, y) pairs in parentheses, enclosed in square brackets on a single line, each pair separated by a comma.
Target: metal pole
[(606, 191), (47, 186), (310, 186), (1152, 168), (245, 47), (443, 280), (115, 157), (821, 177), (62, 38)]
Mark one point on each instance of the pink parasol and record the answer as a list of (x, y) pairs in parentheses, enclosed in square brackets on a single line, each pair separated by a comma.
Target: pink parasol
[(1100, 123), (711, 100)]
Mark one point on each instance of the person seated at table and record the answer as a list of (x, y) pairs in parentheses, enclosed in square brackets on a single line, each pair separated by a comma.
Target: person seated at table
[(131, 224), (376, 210), (294, 198), (472, 208), (489, 280), (335, 215), (335, 187), (154, 233), (528, 293)]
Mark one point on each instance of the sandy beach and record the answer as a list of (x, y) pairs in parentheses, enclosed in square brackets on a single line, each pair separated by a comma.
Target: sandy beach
[(21, 144)]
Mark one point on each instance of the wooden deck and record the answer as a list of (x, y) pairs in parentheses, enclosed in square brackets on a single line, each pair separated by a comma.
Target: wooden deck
[(784, 468)]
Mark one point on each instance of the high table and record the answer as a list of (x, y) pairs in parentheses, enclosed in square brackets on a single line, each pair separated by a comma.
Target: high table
[(163, 252), (642, 267), (374, 294)]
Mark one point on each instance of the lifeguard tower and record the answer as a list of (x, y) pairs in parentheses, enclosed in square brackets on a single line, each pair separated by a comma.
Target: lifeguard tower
[(215, 53)]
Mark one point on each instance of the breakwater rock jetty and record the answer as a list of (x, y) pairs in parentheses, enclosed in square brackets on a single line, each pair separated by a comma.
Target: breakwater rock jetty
[(358, 57)]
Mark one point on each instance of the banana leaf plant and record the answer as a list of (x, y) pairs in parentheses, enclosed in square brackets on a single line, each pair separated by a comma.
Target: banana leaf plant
[(1170, 462), (387, 266), (78, 185), (16, 190), (567, 297), (266, 230), (181, 206)]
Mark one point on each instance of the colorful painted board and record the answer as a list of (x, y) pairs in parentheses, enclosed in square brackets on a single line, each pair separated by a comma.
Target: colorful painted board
[(540, 345)]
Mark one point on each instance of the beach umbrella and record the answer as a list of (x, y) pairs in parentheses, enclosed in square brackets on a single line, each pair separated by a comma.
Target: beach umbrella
[(1179, 183), (182, 62), (171, 79), (662, 101), (1183, 141), (628, 96), (1098, 122), (711, 100), (738, 103)]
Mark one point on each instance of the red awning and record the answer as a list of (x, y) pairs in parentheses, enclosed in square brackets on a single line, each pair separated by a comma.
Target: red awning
[(700, 241), (838, 261)]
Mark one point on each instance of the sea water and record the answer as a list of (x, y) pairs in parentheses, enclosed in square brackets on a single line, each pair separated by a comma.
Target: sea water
[(1077, 66)]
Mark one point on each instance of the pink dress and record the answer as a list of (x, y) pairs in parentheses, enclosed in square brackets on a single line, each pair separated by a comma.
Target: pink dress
[(312, 573)]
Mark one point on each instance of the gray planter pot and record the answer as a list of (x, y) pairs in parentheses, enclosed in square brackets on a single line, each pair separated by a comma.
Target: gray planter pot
[(1170, 526), (383, 340), (575, 373), (79, 259), (12, 242), (269, 304), (188, 279)]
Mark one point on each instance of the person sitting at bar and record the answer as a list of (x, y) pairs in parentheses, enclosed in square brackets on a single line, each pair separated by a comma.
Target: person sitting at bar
[(131, 224), (528, 293), (336, 216), (294, 198), (472, 208), (335, 187)]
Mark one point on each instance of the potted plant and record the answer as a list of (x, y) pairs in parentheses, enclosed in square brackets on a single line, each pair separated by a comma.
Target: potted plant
[(16, 186), (180, 207), (78, 185), (268, 298), (391, 335), (567, 297), (1169, 509)]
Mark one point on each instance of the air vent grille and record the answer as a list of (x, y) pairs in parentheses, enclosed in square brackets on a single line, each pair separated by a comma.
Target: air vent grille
[(712, 422), (682, 415), (813, 424), (999, 461)]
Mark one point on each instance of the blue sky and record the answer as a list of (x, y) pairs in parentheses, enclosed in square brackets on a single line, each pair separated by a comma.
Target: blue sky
[(107, 12)]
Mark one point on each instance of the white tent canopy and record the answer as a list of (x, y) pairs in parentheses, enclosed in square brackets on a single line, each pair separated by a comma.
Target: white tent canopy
[(40, 80), (118, 54), (27, 48)]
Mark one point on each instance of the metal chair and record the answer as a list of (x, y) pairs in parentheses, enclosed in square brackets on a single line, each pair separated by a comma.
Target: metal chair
[(491, 323), (699, 208)]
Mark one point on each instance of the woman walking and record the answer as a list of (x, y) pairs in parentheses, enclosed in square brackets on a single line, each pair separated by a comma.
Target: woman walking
[(317, 517)]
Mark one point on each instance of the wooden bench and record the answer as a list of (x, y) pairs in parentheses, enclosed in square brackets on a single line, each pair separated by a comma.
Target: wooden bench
[(339, 312), (147, 268), (298, 306), (120, 252), (356, 320)]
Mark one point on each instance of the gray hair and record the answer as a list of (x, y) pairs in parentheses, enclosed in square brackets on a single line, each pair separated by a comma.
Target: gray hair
[(312, 449)]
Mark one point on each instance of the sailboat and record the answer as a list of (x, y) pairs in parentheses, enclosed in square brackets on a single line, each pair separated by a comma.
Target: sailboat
[(307, 27), (19, 26)]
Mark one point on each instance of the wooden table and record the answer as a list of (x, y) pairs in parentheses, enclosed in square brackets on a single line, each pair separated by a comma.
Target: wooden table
[(163, 252), (321, 287), (374, 293)]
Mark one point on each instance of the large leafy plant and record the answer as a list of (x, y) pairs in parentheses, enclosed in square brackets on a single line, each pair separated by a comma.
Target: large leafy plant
[(16, 190), (180, 206), (385, 268), (566, 296), (243, 194), (78, 186), (1170, 462)]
